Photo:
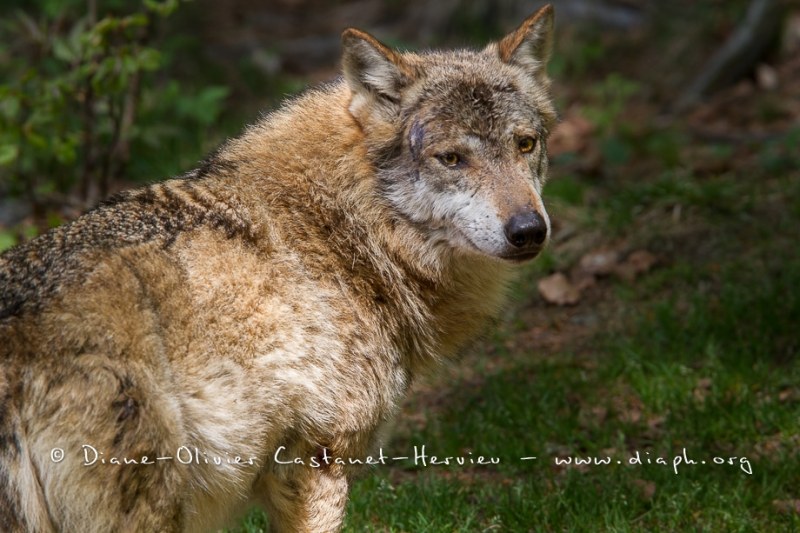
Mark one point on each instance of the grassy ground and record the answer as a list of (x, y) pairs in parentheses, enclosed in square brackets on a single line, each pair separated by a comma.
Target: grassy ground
[(695, 360)]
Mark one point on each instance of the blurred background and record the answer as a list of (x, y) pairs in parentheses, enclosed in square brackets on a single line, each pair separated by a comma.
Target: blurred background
[(663, 317), (98, 94)]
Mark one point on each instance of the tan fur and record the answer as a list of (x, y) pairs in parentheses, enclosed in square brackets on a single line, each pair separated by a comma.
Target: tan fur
[(285, 294), (511, 43)]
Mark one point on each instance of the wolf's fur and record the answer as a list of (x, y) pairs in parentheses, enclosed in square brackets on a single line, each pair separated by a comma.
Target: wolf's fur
[(286, 293)]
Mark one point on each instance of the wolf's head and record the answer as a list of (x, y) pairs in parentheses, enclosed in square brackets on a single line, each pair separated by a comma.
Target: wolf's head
[(459, 137)]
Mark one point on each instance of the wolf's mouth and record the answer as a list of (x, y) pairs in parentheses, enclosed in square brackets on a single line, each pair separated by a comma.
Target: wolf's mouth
[(521, 257)]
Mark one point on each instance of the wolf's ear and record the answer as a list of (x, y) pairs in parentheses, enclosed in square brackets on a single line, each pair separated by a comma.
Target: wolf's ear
[(529, 46), (372, 68)]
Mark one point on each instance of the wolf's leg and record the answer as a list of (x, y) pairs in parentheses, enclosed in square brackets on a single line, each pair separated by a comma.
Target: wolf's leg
[(300, 498), (95, 426), (22, 504)]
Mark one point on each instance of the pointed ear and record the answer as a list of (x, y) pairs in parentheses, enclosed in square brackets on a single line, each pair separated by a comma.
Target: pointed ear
[(371, 67), (529, 46)]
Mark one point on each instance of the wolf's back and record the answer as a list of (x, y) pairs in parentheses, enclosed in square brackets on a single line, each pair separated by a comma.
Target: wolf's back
[(36, 270)]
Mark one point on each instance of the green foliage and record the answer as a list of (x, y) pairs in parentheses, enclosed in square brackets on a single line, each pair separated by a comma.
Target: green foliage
[(780, 155), (578, 57), (7, 240), (665, 147), (567, 189), (716, 197), (76, 88), (254, 522), (178, 142), (609, 98)]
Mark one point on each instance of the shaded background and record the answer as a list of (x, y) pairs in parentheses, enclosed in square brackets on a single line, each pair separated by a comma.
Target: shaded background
[(664, 315), (98, 93)]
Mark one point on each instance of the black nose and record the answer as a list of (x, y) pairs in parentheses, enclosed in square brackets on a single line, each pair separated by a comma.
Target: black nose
[(526, 229)]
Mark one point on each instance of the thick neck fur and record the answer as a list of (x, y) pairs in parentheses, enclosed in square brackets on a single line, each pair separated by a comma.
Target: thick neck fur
[(334, 203)]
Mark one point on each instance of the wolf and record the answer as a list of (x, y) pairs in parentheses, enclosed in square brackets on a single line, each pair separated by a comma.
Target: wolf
[(194, 347)]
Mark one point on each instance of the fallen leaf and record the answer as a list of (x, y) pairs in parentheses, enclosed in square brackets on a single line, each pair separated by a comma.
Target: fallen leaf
[(556, 289), (600, 262), (630, 416), (655, 428), (642, 260), (787, 395), (647, 489), (592, 417), (787, 506), (777, 444), (627, 406), (701, 390), (656, 421), (636, 263)]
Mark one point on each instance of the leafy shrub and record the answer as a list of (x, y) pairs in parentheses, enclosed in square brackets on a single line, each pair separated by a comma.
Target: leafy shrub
[(80, 102)]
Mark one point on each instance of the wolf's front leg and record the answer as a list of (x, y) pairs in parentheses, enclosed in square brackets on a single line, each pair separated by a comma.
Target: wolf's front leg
[(301, 498)]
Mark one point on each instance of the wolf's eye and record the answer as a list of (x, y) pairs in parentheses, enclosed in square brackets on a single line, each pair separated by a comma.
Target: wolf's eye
[(526, 144), (449, 159)]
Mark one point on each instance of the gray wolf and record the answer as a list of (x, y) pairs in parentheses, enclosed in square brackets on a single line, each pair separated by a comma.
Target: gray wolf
[(157, 351)]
